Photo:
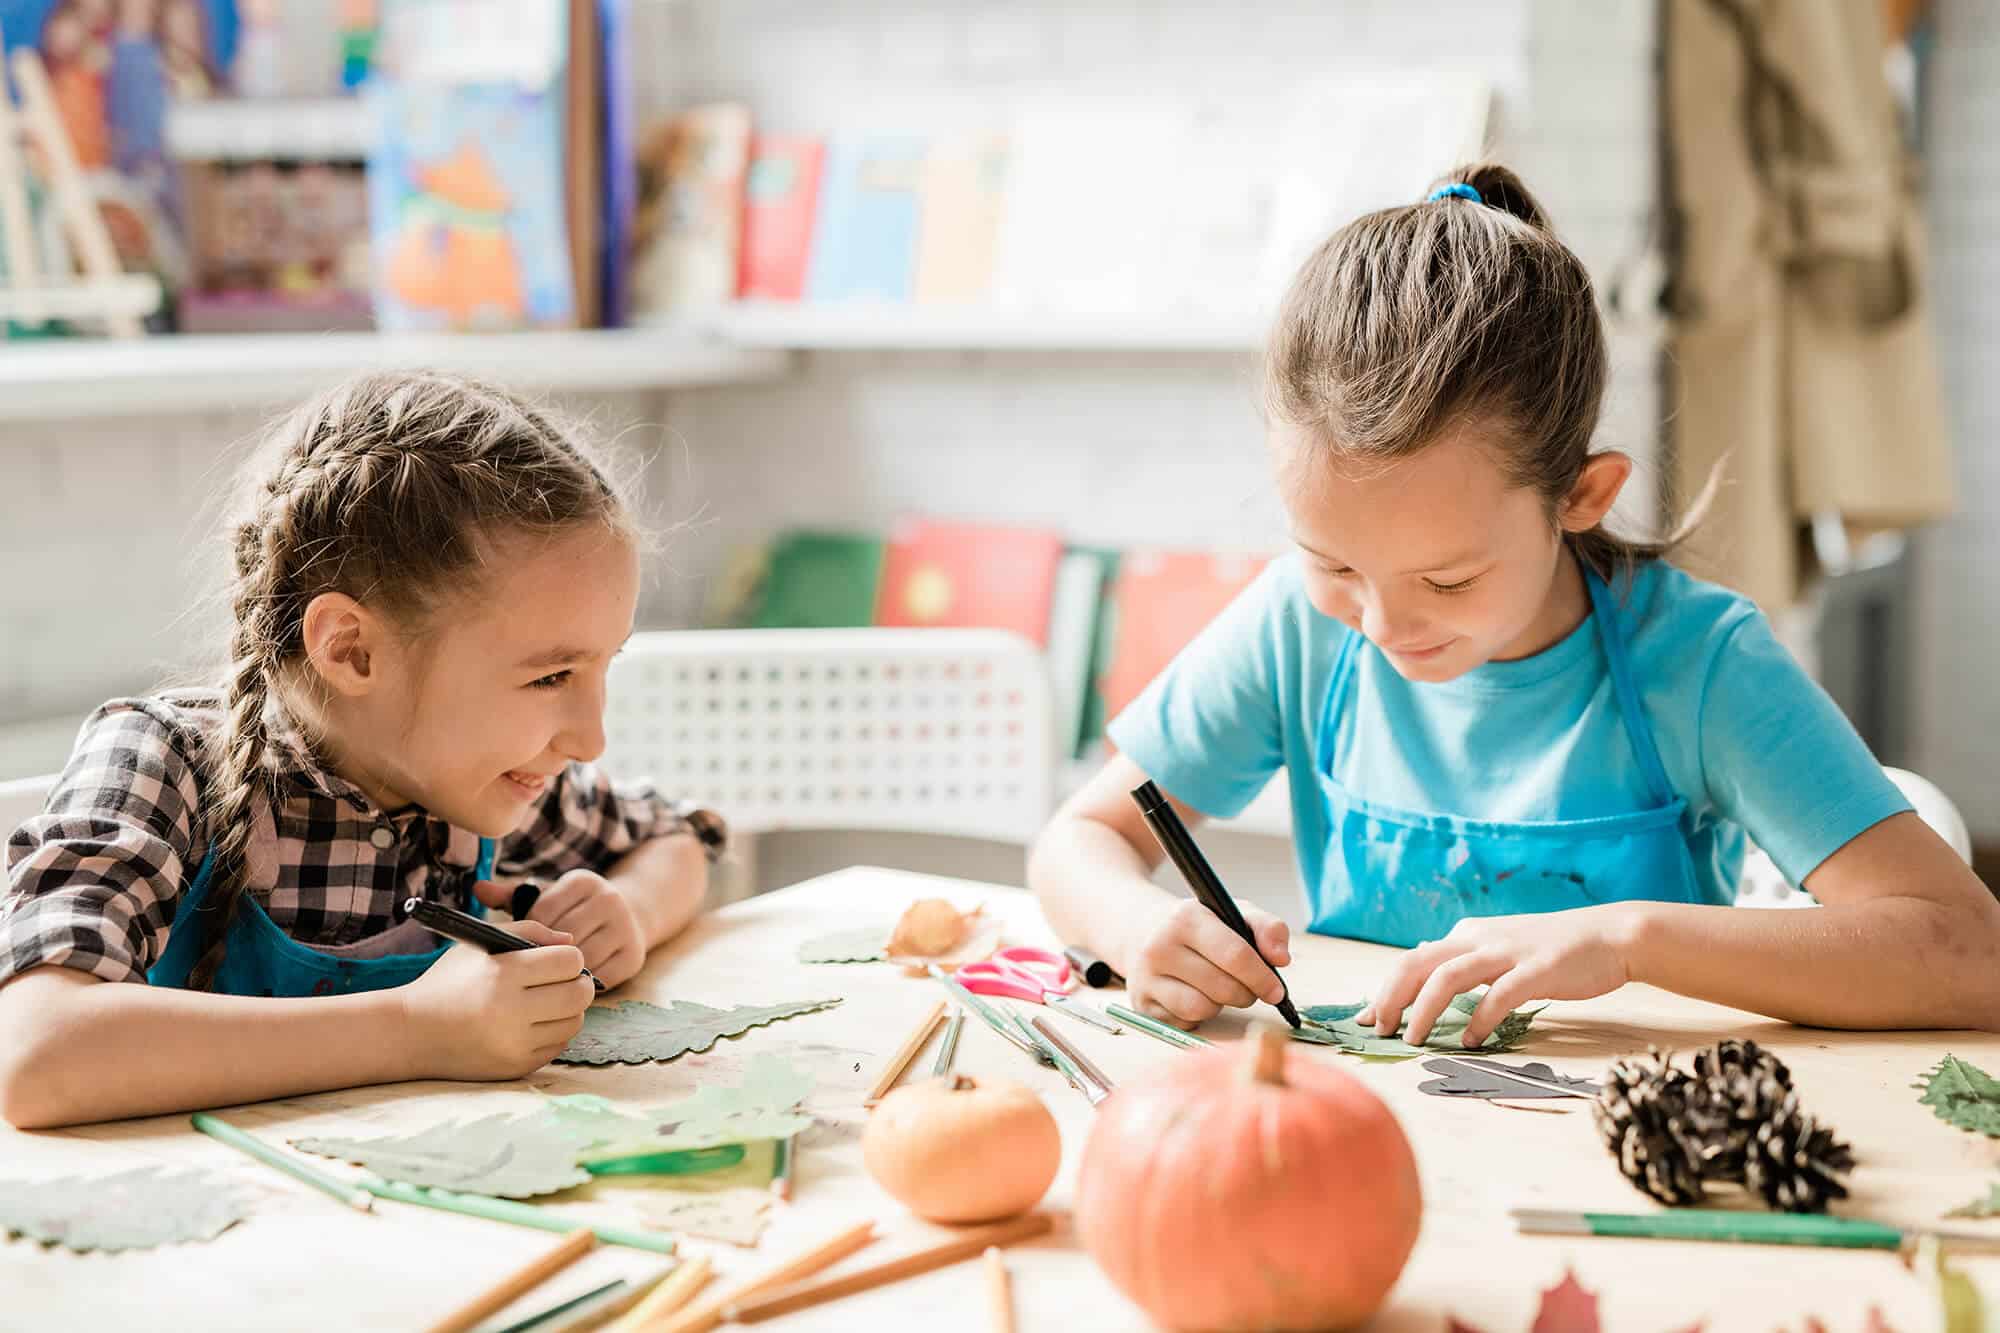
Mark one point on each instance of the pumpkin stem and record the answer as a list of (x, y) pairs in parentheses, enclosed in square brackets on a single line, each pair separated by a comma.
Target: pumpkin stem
[(963, 1083), (1267, 1062)]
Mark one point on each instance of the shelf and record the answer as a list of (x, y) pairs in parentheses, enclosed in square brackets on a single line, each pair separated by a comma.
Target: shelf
[(96, 377), (941, 328), (314, 129)]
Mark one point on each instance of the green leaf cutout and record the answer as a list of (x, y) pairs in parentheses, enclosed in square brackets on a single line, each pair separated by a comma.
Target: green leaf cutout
[(1962, 1094), (1985, 1207), (134, 1210), (510, 1156), (863, 944), (635, 1032), (763, 1106), (1334, 1025)]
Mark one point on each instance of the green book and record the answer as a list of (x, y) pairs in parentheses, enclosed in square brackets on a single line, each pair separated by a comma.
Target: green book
[(1091, 721), (819, 580)]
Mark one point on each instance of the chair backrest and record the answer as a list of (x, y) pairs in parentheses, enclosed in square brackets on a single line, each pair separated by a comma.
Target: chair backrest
[(22, 799), (923, 731)]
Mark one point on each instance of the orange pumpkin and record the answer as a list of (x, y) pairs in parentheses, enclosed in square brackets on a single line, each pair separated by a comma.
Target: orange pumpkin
[(1249, 1187), (963, 1150)]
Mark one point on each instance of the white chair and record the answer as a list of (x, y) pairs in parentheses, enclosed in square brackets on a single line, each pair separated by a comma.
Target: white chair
[(906, 730), (22, 799), (1763, 886)]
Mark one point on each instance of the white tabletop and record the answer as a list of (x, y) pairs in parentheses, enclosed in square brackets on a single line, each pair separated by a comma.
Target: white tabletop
[(302, 1261)]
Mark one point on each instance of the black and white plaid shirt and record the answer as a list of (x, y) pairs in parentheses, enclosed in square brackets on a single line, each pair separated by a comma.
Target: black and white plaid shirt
[(93, 881)]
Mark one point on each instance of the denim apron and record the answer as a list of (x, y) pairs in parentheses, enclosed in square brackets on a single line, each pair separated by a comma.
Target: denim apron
[(264, 960), (1403, 877)]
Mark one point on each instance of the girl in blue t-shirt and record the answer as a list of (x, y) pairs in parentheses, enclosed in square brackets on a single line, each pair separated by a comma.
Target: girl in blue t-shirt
[(1524, 747)]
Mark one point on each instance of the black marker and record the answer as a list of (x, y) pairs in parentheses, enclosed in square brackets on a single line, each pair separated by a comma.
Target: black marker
[(469, 929), (1179, 845)]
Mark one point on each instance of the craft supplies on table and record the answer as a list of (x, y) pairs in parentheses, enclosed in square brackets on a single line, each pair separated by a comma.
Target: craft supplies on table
[(217, 1128), (517, 1283), (974, 1240), (948, 1047), (1167, 1033), (892, 1069), (1757, 1228)]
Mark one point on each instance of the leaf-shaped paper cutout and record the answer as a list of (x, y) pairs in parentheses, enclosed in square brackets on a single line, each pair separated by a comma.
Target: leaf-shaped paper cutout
[(635, 1032), (1334, 1025), (737, 1216), (590, 1120), (863, 944), (1467, 1076), (511, 1156), (1567, 1308), (763, 1106), (1960, 1308), (1962, 1094), (1986, 1207), (133, 1210)]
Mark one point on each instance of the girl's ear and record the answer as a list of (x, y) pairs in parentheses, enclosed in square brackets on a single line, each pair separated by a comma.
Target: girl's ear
[(1596, 490), (343, 640)]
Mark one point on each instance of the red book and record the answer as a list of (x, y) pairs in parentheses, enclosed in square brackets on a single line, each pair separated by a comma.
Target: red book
[(960, 575), (780, 198), (1159, 602)]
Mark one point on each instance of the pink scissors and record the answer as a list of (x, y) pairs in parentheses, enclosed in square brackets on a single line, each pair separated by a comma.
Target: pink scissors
[(1022, 973)]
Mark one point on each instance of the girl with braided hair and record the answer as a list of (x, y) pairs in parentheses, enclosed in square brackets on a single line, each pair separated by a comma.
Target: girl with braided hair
[(431, 578)]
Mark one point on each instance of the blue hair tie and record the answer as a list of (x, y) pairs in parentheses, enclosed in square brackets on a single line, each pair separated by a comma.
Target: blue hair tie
[(1455, 190)]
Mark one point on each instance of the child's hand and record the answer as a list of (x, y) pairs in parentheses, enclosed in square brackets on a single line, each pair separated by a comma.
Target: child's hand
[(477, 1015), (1188, 965), (601, 921), (1569, 955)]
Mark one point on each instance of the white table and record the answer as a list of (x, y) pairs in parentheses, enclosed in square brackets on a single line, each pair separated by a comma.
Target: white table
[(303, 1261)]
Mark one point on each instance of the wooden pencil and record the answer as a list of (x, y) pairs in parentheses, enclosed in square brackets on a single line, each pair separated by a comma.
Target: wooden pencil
[(595, 1298), (677, 1290), (999, 1292), (708, 1314), (597, 1316), (516, 1284), (807, 1294), (787, 1151), (222, 1131), (900, 1061)]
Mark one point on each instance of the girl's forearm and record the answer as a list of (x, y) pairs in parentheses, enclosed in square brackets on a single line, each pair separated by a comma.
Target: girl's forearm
[(666, 881), (1889, 962), (75, 1049), (1094, 888)]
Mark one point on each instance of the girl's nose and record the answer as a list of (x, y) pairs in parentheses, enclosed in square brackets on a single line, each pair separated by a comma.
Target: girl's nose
[(582, 735), (1390, 623)]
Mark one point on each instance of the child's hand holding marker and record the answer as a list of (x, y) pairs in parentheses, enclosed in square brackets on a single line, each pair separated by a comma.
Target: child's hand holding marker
[(1187, 966), (590, 909), (480, 1015)]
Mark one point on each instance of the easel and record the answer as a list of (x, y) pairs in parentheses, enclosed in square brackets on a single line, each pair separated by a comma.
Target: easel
[(105, 293)]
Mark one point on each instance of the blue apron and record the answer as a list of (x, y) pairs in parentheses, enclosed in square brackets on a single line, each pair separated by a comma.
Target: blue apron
[(1403, 877), (263, 960)]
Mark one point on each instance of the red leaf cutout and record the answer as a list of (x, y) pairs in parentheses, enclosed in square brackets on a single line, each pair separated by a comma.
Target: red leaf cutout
[(1876, 1323), (1567, 1308)]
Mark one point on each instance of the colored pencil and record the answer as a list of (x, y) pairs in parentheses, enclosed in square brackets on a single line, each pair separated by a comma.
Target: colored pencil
[(1754, 1228), (680, 1287), (951, 1251), (893, 1068), (1173, 1036), (222, 1131), (1095, 1083), (948, 1048), (597, 1316), (999, 1291), (708, 1314), (507, 1210), (517, 1283), (991, 1016), (781, 1171), (605, 1294)]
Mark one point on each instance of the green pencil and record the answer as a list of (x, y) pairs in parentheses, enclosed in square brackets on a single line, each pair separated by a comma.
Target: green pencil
[(608, 1294), (222, 1131), (1852, 1233), (992, 1017), (1173, 1036), (520, 1214)]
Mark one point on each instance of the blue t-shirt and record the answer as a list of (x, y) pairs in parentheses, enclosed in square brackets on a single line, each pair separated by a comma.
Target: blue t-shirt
[(1752, 743)]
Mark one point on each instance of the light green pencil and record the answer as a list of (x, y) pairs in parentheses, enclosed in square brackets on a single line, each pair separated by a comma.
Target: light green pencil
[(1718, 1224), (221, 1130), (1173, 1036), (520, 1214)]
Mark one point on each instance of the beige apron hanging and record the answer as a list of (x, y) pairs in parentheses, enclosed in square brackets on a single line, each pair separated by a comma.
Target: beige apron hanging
[(1800, 343)]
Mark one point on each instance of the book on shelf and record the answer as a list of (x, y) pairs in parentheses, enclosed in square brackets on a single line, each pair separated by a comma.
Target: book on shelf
[(690, 220), (963, 195), (962, 575), (1075, 614), (620, 189), (1160, 600), (816, 580), (864, 240), (780, 201)]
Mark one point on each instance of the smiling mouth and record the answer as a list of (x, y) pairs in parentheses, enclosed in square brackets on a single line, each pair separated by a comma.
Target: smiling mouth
[(530, 784), (1431, 651)]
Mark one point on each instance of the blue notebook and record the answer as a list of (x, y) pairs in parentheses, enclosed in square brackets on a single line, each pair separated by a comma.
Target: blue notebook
[(865, 242)]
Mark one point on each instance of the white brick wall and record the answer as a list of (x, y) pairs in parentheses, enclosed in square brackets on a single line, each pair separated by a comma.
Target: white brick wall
[(1958, 620), (97, 519)]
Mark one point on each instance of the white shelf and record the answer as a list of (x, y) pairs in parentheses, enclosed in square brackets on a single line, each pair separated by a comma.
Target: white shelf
[(924, 328), (97, 377), (313, 129)]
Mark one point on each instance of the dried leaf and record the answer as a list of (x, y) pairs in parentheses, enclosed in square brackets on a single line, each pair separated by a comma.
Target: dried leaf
[(1334, 1025), (1567, 1308), (863, 944), (133, 1210), (1986, 1207), (635, 1032), (1962, 1094), (929, 928), (737, 1216), (511, 1156), (1466, 1076)]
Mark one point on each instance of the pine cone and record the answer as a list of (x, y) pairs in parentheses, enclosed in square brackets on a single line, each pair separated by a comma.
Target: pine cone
[(1641, 1113), (1795, 1163), (1736, 1089)]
